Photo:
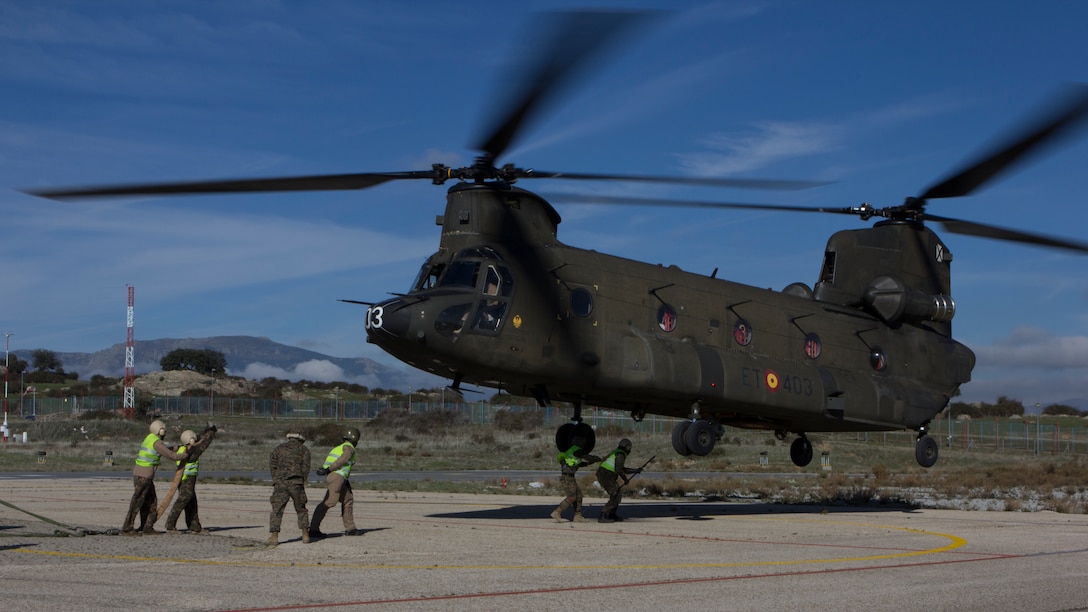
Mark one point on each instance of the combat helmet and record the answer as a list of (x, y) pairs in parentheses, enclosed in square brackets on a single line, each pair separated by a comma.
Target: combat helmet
[(188, 437), (352, 435), (625, 444), (158, 428)]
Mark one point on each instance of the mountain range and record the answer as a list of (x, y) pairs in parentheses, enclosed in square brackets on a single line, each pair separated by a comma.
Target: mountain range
[(256, 358), (250, 357)]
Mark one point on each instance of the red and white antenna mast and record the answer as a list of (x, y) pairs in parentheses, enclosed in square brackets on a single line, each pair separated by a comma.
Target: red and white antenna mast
[(129, 403)]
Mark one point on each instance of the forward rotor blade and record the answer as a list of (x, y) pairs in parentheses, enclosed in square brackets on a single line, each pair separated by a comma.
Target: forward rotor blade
[(970, 228), (774, 184), (1046, 131), (327, 182), (636, 201), (576, 38)]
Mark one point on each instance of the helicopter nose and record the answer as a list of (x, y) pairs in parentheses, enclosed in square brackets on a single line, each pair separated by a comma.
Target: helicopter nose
[(391, 318)]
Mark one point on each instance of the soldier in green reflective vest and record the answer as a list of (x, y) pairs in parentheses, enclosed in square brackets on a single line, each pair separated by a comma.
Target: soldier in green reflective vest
[(193, 446), (569, 461), (609, 473), (145, 502), (336, 470)]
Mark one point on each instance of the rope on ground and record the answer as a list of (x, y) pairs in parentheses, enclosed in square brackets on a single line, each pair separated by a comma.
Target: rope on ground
[(64, 531)]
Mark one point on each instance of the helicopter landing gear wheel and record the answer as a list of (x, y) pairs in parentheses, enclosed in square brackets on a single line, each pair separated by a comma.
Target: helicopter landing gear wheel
[(700, 437), (575, 434), (925, 451), (801, 452), (679, 438)]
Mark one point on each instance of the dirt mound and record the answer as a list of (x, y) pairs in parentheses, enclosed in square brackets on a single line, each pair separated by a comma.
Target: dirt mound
[(175, 382)]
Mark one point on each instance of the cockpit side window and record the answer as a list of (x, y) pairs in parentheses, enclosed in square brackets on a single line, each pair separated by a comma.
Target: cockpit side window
[(489, 315), (491, 281)]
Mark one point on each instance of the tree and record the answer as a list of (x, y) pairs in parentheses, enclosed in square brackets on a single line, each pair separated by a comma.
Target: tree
[(46, 361), (16, 366), (204, 361)]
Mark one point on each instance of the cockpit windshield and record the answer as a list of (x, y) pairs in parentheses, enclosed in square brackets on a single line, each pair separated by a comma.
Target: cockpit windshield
[(461, 274), (480, 269), (428, 276)]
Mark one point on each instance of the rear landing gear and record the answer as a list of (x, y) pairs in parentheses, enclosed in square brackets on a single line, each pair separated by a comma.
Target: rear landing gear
[(696, 437)]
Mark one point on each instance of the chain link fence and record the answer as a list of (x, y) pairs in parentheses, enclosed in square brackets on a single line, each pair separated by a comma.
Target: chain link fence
[(1029, 434)]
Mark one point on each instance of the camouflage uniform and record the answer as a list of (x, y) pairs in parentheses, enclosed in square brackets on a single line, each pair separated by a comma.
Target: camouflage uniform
[(187, 487), (569, 461), (610, 472), (290, 466)]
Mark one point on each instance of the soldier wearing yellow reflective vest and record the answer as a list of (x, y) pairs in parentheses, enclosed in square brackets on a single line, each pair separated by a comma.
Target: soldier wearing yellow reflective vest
[(144, 501), (609, 473), (569, 461), (336, 469), (193, 446)]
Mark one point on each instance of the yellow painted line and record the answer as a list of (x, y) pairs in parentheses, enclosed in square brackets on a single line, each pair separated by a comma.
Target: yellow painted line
[(954, 542)]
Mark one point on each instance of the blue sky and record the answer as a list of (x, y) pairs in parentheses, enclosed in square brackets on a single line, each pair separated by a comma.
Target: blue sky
[(881, 98)]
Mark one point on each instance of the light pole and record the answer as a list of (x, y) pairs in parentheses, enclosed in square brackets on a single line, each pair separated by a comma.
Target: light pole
[(1037, 413), (7, 370)]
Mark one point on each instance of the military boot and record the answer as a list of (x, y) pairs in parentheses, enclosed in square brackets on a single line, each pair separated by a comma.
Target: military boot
[(273, 539), (556, 516), (305, 537), (578, 518)]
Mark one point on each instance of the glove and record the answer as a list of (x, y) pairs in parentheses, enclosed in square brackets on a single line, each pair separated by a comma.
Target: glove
[(211, 428), (636, 471), (322, 471), (592, 458)]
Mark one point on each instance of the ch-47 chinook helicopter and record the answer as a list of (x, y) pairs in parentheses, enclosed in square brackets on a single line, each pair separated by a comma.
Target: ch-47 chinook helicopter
[(503, 303)]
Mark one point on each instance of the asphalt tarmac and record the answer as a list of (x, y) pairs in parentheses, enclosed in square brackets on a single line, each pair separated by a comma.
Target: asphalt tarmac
[(434, 551)]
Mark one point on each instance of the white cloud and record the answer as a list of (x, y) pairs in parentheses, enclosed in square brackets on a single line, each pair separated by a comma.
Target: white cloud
[(1033, 348), (317, 370), (771, 142)]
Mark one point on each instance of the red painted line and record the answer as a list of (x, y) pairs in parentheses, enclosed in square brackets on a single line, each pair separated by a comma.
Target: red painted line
[(630, 585)]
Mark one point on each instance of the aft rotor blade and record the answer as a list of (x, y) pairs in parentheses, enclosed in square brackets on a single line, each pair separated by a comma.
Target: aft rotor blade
[(1046, 131), (970, 228), (326, 182), (774, 184), (636, 201), (576, 38)]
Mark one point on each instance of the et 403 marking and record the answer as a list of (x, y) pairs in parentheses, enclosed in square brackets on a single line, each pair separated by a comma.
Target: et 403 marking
[(774, 382)]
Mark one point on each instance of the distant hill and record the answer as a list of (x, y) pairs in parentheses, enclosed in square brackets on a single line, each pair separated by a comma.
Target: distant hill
[(251, 357)]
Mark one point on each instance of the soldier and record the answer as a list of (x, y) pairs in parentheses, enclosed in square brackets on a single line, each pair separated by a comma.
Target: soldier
[(144, 501), (336, 469), (569, 461), (608, 474), (290, 466), (193, 447)]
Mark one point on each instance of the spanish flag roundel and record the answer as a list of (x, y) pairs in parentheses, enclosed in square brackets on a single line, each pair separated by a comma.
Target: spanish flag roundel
[(771, 378)]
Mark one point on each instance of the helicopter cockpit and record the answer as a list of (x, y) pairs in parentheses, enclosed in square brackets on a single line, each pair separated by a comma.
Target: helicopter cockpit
[(477, 269)]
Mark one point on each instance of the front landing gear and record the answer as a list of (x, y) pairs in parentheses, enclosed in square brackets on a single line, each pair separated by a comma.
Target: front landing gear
[(801, 451), (925, 450), (576, 433)]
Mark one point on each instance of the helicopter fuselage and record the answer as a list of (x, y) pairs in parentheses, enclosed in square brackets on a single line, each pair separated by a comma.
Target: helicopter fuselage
[(504, 304)]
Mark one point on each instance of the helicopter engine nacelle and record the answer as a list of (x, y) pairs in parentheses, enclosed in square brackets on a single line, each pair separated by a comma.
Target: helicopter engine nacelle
[(892, 301)]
